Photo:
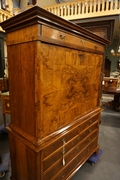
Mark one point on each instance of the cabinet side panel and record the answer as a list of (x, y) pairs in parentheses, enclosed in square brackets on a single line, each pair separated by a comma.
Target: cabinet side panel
[(23, 160), (21, 59)]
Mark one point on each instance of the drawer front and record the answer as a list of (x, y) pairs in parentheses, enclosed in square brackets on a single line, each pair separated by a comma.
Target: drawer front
[(5, 104), (47, 163), (75, 156), (77, 132), (60, 37), (56, 160), (59, 143), (89, 130), (81, 158), (82, 139), (89, 122)]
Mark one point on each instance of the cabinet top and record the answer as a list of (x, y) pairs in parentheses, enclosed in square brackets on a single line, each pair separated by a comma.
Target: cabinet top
[(37, 15)]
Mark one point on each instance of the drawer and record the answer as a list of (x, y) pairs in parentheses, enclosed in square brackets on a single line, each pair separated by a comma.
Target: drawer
[(5, 104), (82, 139), (62, 38), (89, 130), (59, 143), (48, 162), (51, 162), (69, 136), (89, 122), (59, 165), (71, 167), (81, 158), (88, 139)]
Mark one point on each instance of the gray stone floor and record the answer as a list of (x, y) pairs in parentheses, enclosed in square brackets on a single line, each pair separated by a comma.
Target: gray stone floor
[(108, 165)]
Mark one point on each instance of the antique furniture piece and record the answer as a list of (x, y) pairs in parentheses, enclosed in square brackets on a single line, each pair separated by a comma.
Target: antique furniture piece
[(5, 105), (116, 93), (110, 86), (109, 82), (55, 75), (3, 84)]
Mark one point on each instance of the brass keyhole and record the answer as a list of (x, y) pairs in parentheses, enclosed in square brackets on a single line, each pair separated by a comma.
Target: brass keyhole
[(62, 36)]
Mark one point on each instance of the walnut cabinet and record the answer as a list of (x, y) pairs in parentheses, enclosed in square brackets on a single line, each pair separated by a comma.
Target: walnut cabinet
[(55, 73)]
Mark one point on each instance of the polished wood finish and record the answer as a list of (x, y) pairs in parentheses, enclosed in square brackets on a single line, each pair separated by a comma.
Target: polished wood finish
[(4, 84), (109, 82), (55, 75)]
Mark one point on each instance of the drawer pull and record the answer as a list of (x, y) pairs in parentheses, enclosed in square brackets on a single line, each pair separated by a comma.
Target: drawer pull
[(62, 36), (96, 47), (83, 41), (64, 140), (63, 175), (81, 55), (89, 140), (90, 121), (88, 150), (63, 151), (63, 161), (90, 130), (8, 105)]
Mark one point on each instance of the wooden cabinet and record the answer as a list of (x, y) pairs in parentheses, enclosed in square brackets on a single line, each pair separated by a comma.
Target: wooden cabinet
[(55, 70)]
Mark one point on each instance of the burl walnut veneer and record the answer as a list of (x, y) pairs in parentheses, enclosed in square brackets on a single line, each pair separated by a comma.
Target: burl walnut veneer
[(55, 73)]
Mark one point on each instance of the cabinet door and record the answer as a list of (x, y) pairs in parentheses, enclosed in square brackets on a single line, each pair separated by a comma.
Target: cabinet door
[(70, 85)]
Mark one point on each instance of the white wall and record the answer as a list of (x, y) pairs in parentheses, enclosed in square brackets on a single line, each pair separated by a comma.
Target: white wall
[(15, 3), (43, 3), (23, 4), (40, 3)]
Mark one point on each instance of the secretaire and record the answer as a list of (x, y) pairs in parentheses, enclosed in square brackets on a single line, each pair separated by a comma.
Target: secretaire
[(55, 73)]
